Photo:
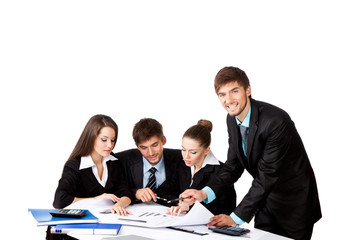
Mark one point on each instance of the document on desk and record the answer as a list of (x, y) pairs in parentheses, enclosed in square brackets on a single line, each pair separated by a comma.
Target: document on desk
[(154, 215), (94, 205)]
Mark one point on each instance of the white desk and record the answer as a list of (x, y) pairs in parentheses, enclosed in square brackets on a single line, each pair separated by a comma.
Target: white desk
[(166, 234)]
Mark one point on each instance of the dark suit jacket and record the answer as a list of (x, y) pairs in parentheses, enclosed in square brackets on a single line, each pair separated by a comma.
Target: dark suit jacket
[(132, 161), (83, 184), (284, 182), (225, 203)]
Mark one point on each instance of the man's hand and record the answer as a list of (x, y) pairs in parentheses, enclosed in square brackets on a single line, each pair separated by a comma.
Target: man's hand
[(221, 220), (192, 195), (145, 195)]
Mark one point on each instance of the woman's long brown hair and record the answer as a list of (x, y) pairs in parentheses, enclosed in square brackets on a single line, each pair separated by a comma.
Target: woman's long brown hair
[(85, 144)]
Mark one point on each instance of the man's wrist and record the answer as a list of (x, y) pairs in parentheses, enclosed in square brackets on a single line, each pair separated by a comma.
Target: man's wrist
[(236, 219), (210, 195)]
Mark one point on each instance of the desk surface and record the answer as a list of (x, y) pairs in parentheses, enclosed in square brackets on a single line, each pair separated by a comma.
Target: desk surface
[(165, 234), (162, 232)]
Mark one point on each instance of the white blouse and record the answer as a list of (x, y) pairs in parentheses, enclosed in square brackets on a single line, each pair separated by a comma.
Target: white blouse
[(87, 162)]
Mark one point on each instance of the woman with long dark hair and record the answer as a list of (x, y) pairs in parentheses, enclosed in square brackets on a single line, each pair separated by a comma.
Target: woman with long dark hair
[(92, 171)]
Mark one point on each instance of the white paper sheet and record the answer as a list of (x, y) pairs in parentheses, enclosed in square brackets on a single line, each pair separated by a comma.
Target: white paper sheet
[(153, 215), (93, 205), (147, 214)]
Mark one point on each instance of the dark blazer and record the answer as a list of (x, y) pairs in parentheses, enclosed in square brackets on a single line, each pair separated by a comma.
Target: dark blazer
[(284, 184), (83, 184), (132, 161), (225, 203)]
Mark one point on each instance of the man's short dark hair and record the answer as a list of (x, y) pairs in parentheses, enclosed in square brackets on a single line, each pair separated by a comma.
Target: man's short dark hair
[(145, 129), (231, 74)]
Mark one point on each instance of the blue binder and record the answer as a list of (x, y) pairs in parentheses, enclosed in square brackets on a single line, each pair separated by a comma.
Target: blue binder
[(44, 218)]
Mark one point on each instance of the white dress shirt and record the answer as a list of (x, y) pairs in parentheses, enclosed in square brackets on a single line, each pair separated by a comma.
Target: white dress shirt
[(87, 162), (160, 173)]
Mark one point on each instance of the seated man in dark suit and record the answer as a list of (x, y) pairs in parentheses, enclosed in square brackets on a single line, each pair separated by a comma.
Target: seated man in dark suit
[(148, 166)]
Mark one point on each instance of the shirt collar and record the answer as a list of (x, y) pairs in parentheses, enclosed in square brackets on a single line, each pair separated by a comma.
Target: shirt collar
[(246, 122), (159, 166), (87, 162), (210, 159)]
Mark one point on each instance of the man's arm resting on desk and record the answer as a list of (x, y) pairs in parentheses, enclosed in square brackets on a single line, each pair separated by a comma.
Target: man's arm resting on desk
[(211, 197), (225, 220), (236, 219)]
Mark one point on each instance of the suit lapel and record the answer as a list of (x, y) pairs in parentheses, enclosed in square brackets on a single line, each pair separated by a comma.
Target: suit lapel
[(253, 126), (168, 171), (185, 179), (91, 184), (200, 175), (108, 183), (237, 137), (238, 143), (137, 171)]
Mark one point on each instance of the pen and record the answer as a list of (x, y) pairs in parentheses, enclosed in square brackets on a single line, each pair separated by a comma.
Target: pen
[(176, 199), (187, 230), (132, 220), (163, 199), (106, 211)]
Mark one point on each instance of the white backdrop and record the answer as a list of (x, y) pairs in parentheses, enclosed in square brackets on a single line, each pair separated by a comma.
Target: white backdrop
[(61, 62)]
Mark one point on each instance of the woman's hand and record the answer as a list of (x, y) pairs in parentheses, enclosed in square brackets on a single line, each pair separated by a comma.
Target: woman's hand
[(177, 210), (119, 210), (119, 207), (110, 196)]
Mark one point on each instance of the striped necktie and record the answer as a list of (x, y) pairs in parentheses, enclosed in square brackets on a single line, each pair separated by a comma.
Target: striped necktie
[(244, 135), (152, 180)]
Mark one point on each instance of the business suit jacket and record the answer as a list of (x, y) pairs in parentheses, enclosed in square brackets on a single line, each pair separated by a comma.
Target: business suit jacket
[(83, 184), (132, 161), (284, 184), (225, 203)]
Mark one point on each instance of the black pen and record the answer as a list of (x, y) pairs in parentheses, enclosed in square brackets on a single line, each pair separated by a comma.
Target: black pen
[(132, 220), (106, 211), (187, 230), (176, 199), (163, 199)]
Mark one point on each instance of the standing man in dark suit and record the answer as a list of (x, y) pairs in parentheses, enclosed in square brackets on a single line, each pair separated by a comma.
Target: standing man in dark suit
[(263, 140), (148, 166)]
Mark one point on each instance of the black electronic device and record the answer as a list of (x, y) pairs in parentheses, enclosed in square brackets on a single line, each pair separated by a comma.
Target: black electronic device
[(69, 213), (229, 230)]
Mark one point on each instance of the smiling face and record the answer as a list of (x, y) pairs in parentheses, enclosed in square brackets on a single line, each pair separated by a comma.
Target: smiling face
[(235, 99), (152, 149), (104, 143), (193, 154)]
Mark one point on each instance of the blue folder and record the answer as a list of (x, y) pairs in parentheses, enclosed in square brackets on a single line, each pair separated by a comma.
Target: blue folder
[(87, 228), (44, 218)]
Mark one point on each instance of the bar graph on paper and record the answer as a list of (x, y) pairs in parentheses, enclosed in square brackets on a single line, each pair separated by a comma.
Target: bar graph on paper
[(154, 215), (151, 214), (148, 215)]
